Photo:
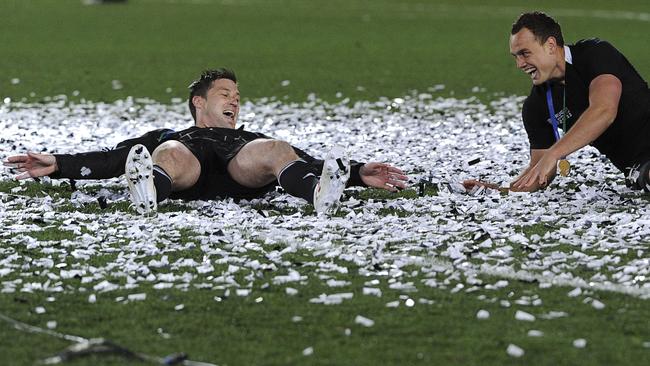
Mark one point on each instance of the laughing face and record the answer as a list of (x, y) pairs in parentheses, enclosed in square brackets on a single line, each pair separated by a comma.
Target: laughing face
[(220, 107), (541, 61)]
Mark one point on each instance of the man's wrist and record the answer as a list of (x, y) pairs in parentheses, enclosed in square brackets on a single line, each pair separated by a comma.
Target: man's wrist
[(555, 153)]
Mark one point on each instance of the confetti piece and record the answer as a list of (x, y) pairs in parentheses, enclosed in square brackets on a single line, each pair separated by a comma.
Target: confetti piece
[(535, 333), (364, 321), (514, 351), (524, 316), (580, 343)]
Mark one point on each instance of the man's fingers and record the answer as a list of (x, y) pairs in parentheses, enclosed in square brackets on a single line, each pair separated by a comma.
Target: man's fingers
[(10, 165), (398, 177), (399, 184), (15, 159), (24, 175), (543, 180), (531, 180)]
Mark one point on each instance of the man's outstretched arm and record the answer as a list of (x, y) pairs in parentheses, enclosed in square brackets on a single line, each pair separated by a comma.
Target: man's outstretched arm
[(88, 165), (604, 95)]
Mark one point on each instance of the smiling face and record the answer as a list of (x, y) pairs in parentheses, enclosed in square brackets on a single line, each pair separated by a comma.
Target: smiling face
[(542, 61), (220, 107)]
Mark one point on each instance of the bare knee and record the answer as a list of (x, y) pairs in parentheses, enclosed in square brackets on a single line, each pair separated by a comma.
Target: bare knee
[(179, 163), (276, 155)]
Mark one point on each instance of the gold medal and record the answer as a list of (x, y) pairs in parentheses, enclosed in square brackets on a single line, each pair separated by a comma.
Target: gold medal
[(565, 167)]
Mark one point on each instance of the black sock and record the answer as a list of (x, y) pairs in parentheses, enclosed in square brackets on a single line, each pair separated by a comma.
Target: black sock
[(299, 180), (163, 183)]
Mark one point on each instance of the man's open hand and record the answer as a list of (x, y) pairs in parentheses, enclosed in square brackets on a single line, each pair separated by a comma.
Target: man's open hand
[(539, 176), (384, 176), (32, 165)]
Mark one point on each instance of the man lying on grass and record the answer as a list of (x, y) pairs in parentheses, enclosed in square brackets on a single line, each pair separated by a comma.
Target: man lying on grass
[(591, 91), (213, 160)]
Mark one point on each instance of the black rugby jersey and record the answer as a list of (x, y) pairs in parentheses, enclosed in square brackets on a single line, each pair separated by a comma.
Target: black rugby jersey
[(627, 140)]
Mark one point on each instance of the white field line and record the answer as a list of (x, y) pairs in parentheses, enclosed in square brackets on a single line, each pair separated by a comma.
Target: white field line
[(447, 10)]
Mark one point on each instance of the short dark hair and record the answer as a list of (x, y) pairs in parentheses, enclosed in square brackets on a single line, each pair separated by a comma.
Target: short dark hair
[(541, 25), (201, 86)]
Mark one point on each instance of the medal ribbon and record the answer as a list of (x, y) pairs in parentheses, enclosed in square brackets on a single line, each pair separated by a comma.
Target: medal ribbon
[(551, 112), (564, 164)]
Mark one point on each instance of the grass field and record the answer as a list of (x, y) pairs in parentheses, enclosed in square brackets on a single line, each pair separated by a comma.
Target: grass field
[(384, 48), (243, 284)]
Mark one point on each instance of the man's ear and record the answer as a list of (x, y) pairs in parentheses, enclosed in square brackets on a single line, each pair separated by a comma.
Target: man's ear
[(198, 101), (551, 42)]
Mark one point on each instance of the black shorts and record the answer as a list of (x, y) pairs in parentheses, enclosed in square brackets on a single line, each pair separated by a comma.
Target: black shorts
[(214, 148)]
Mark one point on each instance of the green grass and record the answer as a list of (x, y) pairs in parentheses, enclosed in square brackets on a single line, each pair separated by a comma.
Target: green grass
[(325, 47), (240, 330), (247, 330)]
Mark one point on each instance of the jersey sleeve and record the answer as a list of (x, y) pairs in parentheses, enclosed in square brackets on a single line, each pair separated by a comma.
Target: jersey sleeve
[(539, 131), (104, 164)]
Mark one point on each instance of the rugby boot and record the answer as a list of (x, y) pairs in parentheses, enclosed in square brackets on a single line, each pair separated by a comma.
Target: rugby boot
[(335, 175), (139, 175)]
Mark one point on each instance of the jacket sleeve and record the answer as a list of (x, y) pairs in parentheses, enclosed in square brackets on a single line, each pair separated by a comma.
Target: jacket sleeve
[(105, 164)]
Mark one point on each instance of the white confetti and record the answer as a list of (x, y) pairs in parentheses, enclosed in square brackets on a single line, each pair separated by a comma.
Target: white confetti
[(601, 223), (364, 321), (372, 291), (243, 292), (524, 316), (597, 305), (514, 350), (575, 292), (333, 299), (137, 297), (535, 333), (116, 84), (308, 351), (482, 314), (580, 343)]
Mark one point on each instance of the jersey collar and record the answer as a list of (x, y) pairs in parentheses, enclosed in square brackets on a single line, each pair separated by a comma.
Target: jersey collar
[(567, 55)]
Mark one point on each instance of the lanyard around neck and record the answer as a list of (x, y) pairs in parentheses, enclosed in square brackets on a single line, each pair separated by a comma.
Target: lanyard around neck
[(551, 111)]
